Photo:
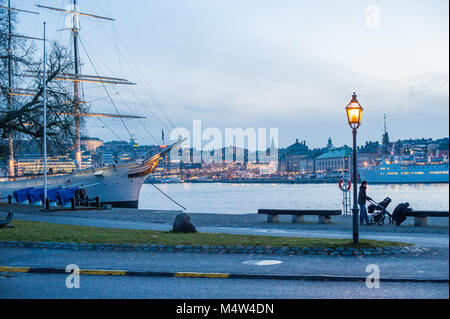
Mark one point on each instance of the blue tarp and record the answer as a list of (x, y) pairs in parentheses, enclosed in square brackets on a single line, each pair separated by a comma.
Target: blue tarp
[(35, 195), (21, 195), (65, 195), (52, 194)]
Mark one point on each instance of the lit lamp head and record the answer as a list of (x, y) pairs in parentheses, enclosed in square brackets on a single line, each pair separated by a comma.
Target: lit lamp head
[(354, 112)]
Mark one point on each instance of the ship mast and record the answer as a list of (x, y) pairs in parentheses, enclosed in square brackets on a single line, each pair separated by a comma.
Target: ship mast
[(77, 78), (76, 87)]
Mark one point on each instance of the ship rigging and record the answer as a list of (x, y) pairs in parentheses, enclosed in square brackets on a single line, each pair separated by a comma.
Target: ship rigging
[(118, 184)]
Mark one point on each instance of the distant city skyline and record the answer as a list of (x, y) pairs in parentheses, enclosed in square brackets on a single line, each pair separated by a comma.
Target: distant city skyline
[(292, 65)]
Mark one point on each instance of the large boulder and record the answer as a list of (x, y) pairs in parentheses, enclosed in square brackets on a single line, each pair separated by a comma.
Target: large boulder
[(183, 224)]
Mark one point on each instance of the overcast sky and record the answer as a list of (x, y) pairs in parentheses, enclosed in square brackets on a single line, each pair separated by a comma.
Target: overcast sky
[(292, 65)]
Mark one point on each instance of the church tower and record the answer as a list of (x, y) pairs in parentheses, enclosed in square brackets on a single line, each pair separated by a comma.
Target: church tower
[(330, 144)]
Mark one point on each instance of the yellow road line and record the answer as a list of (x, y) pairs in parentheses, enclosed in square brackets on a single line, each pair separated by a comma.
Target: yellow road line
[(102, 272), (201, 275), (105, 272), (14, 269)]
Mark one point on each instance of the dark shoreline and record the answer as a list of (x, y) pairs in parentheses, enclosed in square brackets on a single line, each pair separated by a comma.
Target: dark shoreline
[(256, 181), (281, 182)]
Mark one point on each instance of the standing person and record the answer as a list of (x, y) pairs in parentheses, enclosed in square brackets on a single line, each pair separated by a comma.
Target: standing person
[(362, 198)]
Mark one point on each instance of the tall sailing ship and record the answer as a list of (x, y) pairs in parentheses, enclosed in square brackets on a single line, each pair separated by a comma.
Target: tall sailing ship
[(119, 184)]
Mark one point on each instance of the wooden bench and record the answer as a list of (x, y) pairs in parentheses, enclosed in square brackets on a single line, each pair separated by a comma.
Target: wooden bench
[(298, 215), (421, 216)]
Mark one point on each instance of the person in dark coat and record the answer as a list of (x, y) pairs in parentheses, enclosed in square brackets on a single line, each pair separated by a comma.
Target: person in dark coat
[(362, 199)]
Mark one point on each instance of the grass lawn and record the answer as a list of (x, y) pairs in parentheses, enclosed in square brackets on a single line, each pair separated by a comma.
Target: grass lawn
[(37, 231)]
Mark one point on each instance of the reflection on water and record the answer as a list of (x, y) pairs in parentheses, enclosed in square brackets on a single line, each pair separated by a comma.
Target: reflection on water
[(247, 198)]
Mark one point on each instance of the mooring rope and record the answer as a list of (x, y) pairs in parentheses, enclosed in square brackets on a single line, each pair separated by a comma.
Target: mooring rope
[(168, 197)]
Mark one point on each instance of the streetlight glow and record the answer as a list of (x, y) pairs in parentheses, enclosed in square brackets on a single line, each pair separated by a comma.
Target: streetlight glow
[(354, 112)]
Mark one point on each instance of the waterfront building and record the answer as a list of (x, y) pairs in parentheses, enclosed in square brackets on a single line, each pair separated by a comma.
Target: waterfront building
[(186, 155), (307, 165), (34, 165), (234, 154), (413, 147), (91, 144), (124, 157), (142, 155), (282, 163), (370, 154), (439, 149), (336, 160), (263, 168), (107, 158), (443, 150), (295, 155)]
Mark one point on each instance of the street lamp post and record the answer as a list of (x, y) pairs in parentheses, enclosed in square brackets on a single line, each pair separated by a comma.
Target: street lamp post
[(354, 116)]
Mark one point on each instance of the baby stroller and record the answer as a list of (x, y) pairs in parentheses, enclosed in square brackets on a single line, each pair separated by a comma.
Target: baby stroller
[(377, 211)]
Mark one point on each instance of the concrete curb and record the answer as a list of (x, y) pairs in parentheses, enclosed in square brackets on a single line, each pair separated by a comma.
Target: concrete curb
[(255, 250), (106, 272)]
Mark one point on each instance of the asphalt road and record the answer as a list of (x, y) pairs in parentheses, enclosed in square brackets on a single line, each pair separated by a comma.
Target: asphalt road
[(54, 286), (434, 266)]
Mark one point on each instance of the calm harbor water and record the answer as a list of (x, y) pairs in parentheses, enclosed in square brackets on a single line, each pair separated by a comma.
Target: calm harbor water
[(247, 198)]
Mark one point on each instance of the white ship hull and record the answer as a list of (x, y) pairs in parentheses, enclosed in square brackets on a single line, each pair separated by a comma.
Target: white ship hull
[(112, 185), (116, 185)]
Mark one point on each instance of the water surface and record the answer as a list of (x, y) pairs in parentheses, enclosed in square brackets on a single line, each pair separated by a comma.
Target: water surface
[(247, 198)]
